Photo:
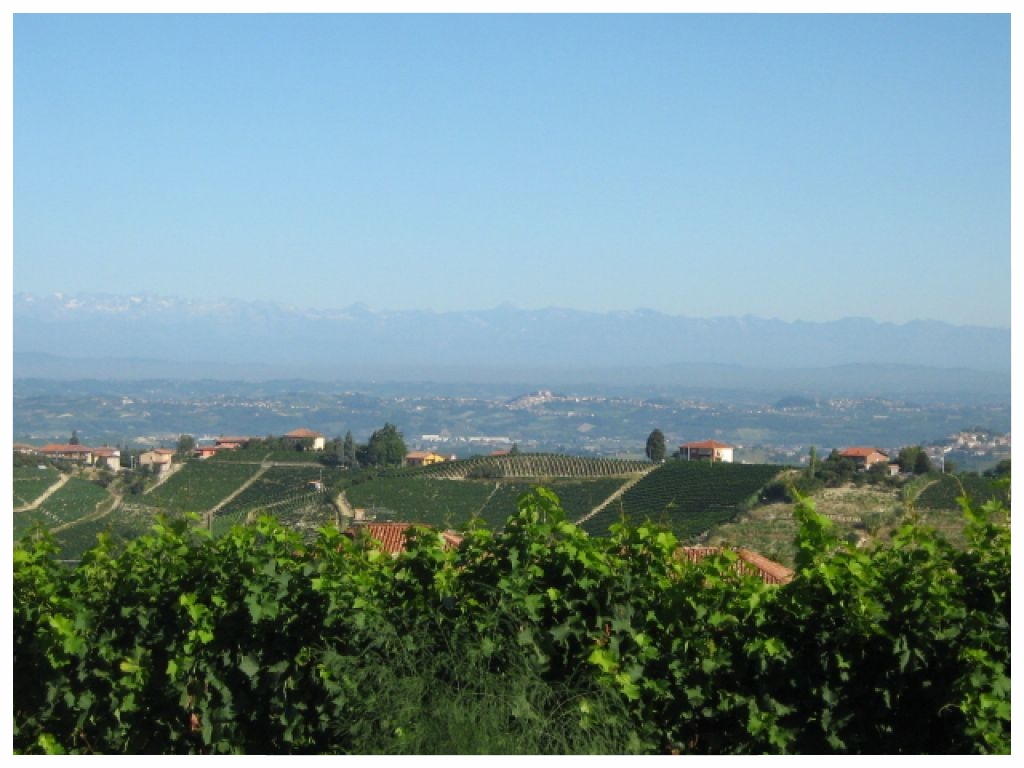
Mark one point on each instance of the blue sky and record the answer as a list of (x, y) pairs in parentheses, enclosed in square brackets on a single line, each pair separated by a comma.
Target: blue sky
[(798, 167)]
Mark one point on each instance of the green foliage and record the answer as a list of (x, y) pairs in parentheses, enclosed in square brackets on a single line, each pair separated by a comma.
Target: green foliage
[(186, 444), (913, 458), (386, 447), (656, 446), (537, 639)]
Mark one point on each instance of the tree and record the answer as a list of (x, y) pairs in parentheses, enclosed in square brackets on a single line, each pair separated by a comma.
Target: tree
[(74, 438), (1002, 469), (186, 444), (913, 459), (348, 450), (922, 464), (514, 451), (656, 446), (812, 462), (386, 447)]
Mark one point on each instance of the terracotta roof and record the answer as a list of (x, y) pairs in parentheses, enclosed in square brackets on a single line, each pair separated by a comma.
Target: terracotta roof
[(858, 452), (751, 562), (391, 536), (302, 432), (231, 439), (106, 452), (58, 448), (706, 444)]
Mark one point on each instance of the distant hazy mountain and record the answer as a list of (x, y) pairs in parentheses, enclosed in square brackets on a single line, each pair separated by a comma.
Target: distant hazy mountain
[(292, 341)]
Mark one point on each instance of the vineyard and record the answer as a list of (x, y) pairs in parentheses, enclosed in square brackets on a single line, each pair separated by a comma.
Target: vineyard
[(696, 500), (124, 524), (534, 466), (944, 493), (76, 499), (690, 497), (199, 485), (283, 492), (448, 504), (30, 482)]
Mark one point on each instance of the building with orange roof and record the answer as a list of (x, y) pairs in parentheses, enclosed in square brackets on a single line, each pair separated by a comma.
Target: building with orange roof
[(749, 562), (423, 458), (864, 457), (391, 536), (318, 441), (68, 452), (706, 450)]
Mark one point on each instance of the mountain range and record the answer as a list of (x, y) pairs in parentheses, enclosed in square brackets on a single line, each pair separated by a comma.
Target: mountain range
[(57, 333)]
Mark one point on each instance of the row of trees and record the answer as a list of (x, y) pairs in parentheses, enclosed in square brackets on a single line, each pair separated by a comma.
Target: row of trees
[(385, 448)]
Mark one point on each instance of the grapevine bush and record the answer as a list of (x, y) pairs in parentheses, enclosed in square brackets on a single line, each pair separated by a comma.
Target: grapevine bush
[(535, 639)]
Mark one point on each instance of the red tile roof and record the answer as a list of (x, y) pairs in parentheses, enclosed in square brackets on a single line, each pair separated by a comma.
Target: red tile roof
[(391, 536), (860, 452), (302, 432), (58, 448), (706, 444), (751, 562)]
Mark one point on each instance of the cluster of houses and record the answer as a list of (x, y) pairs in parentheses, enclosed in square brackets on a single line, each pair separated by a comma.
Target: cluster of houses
[(159, 459), (711, 450), (104, 457)]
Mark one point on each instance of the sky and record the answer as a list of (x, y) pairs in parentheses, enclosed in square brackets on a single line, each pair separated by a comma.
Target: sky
[(782, 166)]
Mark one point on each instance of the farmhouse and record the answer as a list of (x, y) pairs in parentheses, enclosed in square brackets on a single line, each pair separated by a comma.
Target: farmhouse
[(77, 453), (423, 458), (391, 536), (158, 459), (206, 451), (230, 443), (707, 450), (864, 458), (108, 457), (302, 434)]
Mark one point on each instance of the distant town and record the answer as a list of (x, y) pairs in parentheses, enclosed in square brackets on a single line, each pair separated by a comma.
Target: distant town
[(146, 420)]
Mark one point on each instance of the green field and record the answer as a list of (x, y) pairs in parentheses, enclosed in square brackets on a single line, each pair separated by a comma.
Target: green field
[(454, 503), (690, 497), (124, 524), (943, 493), (30, 482), (536, 466), (697, 500), (74, 500), (199, 486)]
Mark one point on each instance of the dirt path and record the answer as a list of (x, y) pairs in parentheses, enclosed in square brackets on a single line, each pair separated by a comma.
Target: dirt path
[(165, 476), (264, 466), (344, 506), (92, 515), (616, 495), (45, 495)]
